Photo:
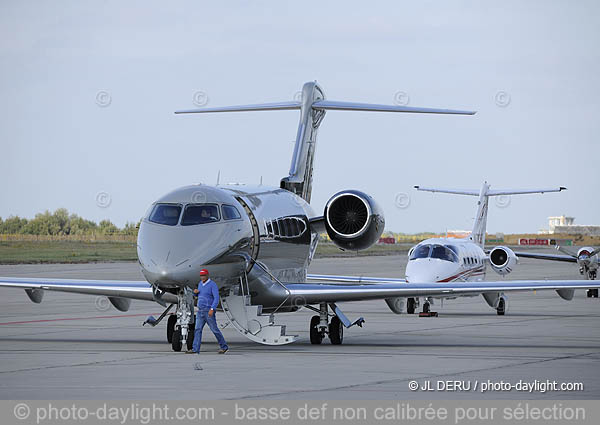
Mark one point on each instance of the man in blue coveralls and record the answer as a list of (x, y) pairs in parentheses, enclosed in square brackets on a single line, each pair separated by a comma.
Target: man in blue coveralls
[(208, 300)]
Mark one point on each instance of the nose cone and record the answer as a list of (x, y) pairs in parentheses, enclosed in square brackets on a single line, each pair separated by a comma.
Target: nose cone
[(429, 270), (173, 256)]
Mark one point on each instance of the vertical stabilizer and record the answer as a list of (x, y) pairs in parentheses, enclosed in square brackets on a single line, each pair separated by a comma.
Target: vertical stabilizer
[(300, 179), (478, 233)]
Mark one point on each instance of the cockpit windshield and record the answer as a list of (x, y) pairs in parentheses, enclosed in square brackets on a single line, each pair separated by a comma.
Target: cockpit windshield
[(421, 251), (165, 214), (200, 214), (441, 252)]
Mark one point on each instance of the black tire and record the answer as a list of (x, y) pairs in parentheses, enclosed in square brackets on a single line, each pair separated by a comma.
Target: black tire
[(176, 341), (171, 327), (336, 331), (501, 309), (426, 307), (316, 337), (590, 293), (410, 306), (596, 293), (190, 338)]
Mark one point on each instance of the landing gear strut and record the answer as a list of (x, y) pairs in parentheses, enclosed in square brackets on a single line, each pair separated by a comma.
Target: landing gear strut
[(501, 309), (184, 321), (334, 329), (426, 307)]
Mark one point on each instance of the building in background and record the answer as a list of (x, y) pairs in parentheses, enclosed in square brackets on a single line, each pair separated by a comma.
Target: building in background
[(564, 224)]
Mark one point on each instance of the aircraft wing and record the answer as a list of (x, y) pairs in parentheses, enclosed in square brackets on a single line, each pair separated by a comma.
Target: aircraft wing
[(552, 257), (347, 288), (137, 290)]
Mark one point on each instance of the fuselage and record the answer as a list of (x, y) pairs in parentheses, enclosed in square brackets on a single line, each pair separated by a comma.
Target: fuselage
[(446, 260), (226, 229)]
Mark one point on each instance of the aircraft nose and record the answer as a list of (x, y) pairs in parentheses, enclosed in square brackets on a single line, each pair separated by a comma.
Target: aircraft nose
[(169, 254), (425, 270)]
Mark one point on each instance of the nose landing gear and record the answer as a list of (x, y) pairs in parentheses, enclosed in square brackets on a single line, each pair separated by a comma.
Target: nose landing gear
[(427, 309), (183, 321)]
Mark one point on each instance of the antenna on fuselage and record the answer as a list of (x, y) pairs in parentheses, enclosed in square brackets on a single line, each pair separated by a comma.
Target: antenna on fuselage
[(218, 177)]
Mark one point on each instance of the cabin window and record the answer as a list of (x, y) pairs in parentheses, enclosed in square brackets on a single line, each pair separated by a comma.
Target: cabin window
[(200, 214)]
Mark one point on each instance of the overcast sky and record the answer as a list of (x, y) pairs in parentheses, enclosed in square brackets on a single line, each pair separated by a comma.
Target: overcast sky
[(89, 89)]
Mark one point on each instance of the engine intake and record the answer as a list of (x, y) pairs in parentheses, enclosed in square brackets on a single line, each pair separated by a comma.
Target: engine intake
[(503, 260), (353, 220)]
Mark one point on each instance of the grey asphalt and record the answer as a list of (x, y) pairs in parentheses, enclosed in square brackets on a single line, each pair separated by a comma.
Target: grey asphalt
[(73, 347)]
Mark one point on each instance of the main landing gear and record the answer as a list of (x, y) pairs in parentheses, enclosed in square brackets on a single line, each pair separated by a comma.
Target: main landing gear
[(592, 293), (427, 310), (501, 308), (334, 329)]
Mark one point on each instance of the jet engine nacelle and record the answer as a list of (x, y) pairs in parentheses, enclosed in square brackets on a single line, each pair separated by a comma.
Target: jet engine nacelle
[(503, 260), (396, 304), (353, 220), (585, 252)]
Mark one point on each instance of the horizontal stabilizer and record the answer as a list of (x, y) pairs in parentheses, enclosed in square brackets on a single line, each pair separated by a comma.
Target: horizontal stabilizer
[(500, 192), (523, 192), (245, 108), (453, 191), (334, 105)]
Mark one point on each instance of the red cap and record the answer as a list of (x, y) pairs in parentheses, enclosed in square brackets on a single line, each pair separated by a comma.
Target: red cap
[(203, 272)]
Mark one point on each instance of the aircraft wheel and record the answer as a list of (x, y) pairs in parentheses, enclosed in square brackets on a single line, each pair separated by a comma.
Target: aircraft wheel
[(176, 340), (410, 306), (171, 327), (589, 293), (336, 331), (316, 337), (501, 309), (426, 307), (190, 336)]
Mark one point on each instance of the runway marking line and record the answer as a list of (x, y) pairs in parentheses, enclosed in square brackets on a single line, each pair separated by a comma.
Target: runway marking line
[(73, 318)]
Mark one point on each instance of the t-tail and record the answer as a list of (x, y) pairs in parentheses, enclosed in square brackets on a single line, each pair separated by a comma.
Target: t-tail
[(479, 227), (313, 106)]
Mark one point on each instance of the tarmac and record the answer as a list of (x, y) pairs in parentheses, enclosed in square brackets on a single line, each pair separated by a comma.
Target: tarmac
[(79, 347)]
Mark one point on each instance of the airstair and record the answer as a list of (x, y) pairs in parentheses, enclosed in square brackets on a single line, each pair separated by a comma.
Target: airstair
[(248, 319)]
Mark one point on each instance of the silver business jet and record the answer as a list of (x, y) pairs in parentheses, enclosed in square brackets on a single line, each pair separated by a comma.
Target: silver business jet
[(258, 242)]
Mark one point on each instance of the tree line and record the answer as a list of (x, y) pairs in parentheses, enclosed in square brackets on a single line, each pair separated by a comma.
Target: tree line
[(60, 222)]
